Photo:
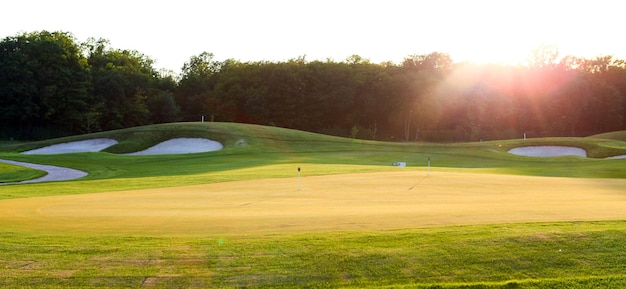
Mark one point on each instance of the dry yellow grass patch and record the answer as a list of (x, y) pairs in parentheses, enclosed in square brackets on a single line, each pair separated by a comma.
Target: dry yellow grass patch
[(370, 201)]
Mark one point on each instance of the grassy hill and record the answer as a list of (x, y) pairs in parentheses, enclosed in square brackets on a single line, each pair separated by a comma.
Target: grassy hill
[(12, 173), (256, 147), (246, 145), (233, 218), (616, 135)]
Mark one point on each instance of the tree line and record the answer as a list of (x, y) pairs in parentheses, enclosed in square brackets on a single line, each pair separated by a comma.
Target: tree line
[(51, 85)]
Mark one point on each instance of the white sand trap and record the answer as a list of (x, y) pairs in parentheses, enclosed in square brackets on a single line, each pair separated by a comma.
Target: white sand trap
[(83, 146), (548, 151), (181, 146), (617, 157), (54, 173)]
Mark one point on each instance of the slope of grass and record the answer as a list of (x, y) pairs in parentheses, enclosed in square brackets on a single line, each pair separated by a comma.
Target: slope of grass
[(528, 255), (229, 134), (12, 173), (616, 135), (542, 255), (254, 151)]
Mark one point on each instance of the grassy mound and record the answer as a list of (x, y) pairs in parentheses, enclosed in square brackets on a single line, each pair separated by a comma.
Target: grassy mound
[(11, 173), (228, 134), (248, 147), (616, 135), (233, 218), (277, 140)]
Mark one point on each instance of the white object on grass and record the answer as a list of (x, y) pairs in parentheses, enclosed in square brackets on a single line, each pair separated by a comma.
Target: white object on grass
[(181, 146), (83, 146), (548, 151)]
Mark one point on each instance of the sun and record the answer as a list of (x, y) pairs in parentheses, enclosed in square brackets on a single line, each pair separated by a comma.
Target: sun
[(494, 53)]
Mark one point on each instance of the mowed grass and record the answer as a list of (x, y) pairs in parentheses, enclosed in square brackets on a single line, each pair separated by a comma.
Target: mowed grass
[(11, 173), (240, 217), (251, 152), (544, 255), (344, 202)]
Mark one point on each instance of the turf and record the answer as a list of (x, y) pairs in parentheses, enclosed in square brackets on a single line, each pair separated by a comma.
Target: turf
[(10, 173), (616, 135), (361, 201), (241, 217), (545, 255), (251, 150)]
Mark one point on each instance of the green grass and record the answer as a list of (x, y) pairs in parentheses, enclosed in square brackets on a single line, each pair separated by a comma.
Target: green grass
[(257, 148), (529, 255), (11, 173), (548, 255), (616, 135)]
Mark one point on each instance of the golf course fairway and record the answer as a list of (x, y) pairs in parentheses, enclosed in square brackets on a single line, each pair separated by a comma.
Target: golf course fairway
[(346, 202), (281, 208)]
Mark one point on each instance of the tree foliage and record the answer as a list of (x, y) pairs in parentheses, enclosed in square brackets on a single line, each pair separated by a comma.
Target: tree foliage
[(427, 97), (44, 83), (52, 85), (122, 82)]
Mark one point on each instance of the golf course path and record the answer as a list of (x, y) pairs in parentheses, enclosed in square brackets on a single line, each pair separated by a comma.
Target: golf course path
[(54, 173)]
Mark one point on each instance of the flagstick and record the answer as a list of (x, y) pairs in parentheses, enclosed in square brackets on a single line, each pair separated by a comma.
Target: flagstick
[(298, 178)]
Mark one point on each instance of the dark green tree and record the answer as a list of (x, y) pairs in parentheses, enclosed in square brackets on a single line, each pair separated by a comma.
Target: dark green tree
[(122, 81), (163, 108), (197, 81), (44, 84)]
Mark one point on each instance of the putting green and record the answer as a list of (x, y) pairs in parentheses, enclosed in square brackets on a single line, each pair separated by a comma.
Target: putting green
[(368, 201)]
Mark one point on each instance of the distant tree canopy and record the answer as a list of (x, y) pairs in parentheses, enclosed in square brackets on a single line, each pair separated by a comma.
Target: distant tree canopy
[(426, 97), (44, 82), (50, 85)]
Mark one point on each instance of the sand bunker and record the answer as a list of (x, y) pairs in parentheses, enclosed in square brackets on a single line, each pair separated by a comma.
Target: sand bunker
[(617, 157), (173, 146), (54, 173), (181, 146), (548, 151), (83, 146)]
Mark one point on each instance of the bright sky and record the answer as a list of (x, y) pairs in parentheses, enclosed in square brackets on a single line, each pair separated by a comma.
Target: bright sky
[(170, 32)]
